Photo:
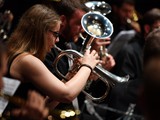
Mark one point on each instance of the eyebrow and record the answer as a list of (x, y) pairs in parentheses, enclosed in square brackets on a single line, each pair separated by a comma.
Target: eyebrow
[(55, 33)]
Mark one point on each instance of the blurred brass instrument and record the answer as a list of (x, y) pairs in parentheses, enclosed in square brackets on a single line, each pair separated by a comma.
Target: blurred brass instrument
[(5, 24), (99, 6), (103, 8), (133, 21), (135, 17)]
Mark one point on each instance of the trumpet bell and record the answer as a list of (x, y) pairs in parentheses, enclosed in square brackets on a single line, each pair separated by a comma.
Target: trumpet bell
[(97, 25)]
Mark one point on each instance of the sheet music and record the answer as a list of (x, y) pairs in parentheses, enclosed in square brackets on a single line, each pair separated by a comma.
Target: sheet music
[(9, 88)]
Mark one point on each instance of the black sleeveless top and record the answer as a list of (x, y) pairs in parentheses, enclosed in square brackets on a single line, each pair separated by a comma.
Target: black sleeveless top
[(22, 90)]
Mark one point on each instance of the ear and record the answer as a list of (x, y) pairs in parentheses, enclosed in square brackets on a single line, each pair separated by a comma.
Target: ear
[(147, 29), (64, 21)]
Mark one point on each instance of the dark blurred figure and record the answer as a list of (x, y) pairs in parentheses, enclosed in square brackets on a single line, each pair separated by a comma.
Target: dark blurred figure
[(150, 93), (17, 8), (130, 62), (143, 6), (6, 18), (33, 109), (123, 16), (129, 59)]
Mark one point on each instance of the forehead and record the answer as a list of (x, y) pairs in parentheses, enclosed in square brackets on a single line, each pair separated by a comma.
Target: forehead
[(156, 24), (127, 6), (78, 14), (55, 25)]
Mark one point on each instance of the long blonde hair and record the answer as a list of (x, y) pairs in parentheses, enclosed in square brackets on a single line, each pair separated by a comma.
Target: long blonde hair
[(30, 34)]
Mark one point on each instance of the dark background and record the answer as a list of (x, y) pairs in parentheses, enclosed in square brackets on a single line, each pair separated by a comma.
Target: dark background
[(18, 7)]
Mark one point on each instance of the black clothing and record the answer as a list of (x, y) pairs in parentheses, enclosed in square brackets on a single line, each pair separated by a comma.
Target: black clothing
[(129, 59), (117, 25), (122, 96), (24, 87), (128, 62), (62, 66), (22, 90)]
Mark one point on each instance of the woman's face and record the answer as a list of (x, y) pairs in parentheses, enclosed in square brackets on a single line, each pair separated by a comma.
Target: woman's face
[(53, 36)]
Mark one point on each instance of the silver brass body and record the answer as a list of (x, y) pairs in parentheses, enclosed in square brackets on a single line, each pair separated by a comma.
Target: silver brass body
[(107, 77)]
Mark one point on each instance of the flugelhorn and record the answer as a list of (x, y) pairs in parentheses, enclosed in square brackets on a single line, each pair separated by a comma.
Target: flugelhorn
[(96, 26), (107, 77)]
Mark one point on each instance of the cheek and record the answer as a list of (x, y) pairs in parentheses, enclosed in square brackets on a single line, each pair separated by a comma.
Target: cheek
[(76, 30), (49, 40)]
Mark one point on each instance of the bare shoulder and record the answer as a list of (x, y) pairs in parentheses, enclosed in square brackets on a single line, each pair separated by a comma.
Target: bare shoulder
[(28, 61), (24, 60), (25, 64)]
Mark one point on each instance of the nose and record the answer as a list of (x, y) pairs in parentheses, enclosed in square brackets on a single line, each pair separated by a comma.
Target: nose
[(81, 29), (57, 40)]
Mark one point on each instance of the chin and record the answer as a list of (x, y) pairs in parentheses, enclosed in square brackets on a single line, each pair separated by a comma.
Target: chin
[(49, 50)]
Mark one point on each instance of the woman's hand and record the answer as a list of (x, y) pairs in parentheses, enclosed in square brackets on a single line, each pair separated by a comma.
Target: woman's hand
[(91, 58)]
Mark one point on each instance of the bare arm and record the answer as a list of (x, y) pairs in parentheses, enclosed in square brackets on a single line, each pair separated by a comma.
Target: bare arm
[(29, 68)]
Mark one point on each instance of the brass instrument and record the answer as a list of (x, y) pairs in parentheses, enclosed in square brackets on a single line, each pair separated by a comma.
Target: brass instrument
[(133, 21), (103, 8), (97, 26), (5, 24), (107, 77), (99, 6)]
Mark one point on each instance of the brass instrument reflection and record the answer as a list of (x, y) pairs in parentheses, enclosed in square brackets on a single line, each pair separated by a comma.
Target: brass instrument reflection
[(133, 21)]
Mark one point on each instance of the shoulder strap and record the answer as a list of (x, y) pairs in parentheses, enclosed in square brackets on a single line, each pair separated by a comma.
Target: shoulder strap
[(9, 64)]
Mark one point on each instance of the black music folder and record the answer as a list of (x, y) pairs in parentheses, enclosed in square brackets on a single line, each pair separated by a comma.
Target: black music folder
[(119, 41)]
